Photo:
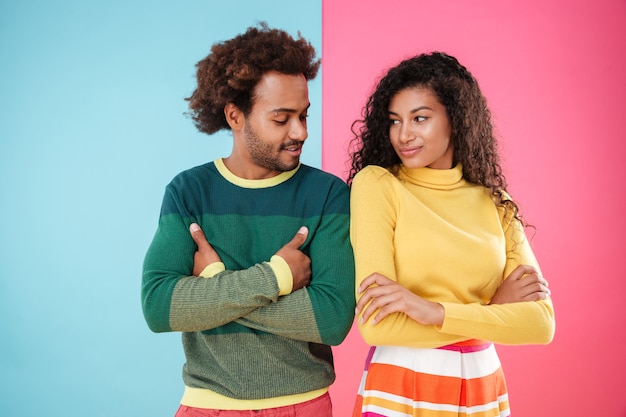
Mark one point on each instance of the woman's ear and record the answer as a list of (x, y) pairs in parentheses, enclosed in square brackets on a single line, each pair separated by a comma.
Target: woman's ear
[(234, 116)]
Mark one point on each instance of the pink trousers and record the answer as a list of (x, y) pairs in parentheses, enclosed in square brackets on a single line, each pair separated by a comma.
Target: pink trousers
[(317, 407)]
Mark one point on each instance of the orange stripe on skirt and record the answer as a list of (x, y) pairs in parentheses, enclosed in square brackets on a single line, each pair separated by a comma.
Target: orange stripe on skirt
[(464, 379)]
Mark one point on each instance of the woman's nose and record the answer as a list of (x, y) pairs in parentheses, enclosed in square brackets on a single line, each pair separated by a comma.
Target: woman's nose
[(406, 134)]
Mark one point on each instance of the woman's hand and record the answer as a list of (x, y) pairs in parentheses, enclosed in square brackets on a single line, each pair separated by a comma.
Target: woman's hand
[(387, 296), (523, 284)]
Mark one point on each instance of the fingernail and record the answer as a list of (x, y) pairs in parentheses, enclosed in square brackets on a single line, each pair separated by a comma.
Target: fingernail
[(303, 230), (194, 227)]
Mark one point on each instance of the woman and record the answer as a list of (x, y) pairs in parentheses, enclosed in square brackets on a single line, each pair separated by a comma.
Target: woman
[(443, 267)]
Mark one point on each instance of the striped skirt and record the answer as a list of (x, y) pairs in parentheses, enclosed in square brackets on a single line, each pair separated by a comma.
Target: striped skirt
[(464, 379)]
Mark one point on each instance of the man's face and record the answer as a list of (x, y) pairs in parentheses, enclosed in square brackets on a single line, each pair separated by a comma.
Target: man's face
[(275, 129)]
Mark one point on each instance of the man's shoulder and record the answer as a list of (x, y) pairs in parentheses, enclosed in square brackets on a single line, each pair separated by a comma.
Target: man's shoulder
[(194, 174), (313, 174), (322, 190)]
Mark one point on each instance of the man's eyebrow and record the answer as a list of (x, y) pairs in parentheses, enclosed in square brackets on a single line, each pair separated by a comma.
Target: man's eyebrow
[(287, 110)]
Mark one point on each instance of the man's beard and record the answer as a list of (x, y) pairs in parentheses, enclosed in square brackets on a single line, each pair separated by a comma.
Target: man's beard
[(264, 154)]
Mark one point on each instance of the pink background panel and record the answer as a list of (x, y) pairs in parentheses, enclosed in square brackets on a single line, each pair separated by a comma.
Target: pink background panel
[(553, 73)]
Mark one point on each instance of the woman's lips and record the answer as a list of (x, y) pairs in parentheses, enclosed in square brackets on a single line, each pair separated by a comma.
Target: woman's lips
[(410, 151)]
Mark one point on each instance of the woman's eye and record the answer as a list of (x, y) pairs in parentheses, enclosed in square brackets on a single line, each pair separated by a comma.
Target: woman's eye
[(420, 118), (394, 122)]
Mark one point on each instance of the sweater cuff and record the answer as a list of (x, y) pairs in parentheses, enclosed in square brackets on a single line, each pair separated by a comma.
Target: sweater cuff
[(281, 269), (458, 318), (212, 269)]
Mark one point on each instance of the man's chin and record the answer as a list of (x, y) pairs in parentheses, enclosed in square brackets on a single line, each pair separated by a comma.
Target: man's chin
[(291, 167), (291, 164)]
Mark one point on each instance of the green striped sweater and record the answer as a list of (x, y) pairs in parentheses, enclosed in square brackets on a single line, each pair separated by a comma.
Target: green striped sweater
[(241, 339)]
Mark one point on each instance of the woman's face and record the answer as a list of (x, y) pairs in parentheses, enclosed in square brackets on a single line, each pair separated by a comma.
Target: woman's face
[(419, 129)]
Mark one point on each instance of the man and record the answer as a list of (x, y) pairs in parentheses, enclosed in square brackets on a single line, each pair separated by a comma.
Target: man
[(262, 298)]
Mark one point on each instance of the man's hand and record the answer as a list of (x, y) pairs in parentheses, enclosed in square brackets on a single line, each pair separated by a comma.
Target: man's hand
[(205, 255), (523, 284), (298, 262)]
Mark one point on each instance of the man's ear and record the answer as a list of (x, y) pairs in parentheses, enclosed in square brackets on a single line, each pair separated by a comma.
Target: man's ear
[(234, 116)]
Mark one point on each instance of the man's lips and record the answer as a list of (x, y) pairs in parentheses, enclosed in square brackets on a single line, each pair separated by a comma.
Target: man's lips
[(293, 148)]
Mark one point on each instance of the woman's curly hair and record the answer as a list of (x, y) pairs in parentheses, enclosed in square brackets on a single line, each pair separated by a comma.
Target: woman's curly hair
[(475, 146), (234, 67)]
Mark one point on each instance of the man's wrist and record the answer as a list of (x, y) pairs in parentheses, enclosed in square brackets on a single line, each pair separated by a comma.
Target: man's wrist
[(284, 278), (212, 269)]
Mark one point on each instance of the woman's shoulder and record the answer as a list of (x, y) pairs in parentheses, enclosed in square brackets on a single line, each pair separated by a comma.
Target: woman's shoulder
[(373, 173)]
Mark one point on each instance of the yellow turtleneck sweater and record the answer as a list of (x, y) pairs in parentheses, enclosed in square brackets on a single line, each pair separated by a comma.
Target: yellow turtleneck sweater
[(444, 239)]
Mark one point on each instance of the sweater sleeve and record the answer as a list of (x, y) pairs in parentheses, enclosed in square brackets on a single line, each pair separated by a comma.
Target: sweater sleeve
[(373, 205), (373, 221), (323, 311), (172, 300), (514, 323)]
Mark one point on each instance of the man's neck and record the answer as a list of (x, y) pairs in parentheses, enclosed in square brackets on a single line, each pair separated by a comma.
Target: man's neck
[(246, 169)]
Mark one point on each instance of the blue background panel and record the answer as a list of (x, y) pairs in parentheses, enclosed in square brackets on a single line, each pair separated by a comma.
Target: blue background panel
[(92, 128)]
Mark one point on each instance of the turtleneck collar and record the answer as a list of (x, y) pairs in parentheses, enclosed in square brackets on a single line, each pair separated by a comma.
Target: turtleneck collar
[(433, 178)]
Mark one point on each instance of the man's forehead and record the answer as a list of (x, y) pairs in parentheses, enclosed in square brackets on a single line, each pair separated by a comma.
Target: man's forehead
[(277, 92)]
